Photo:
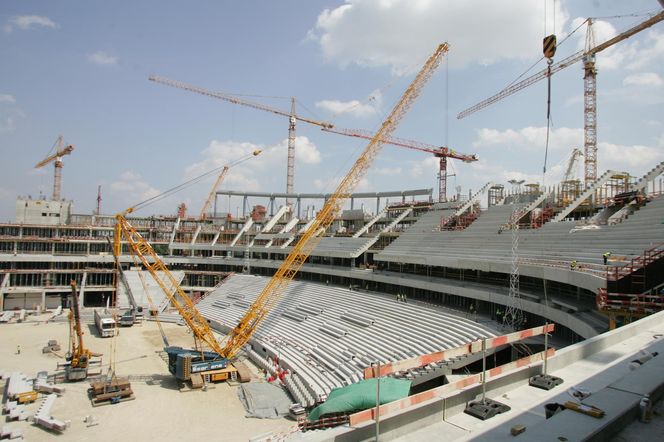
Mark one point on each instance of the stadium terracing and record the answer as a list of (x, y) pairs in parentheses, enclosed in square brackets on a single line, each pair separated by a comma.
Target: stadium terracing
[(410, 279)]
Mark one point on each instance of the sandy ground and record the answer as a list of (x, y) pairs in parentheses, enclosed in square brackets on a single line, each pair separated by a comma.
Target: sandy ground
[(160, 411)]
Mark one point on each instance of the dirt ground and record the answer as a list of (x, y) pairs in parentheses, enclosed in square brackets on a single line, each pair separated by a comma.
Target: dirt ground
[(160, 411)]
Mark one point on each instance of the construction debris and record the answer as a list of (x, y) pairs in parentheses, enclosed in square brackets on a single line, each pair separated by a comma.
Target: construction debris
[(15, 411), (6, 316), (44, 418), (8, 432), (20, 388), (43, 385), (51, 347)]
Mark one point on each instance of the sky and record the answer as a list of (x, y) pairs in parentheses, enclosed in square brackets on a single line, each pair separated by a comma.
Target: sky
[(80, 69)]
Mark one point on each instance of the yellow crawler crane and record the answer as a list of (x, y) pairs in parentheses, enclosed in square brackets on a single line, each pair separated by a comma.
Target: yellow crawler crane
[(79, 357), (182, 362)]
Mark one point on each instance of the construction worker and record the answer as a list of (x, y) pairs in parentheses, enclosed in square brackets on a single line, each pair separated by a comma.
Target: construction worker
[(18, 349), (499, 315), (606, 256), (573, 265)]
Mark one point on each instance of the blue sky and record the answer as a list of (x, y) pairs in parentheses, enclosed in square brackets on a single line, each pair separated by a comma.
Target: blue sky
[(80, 69)]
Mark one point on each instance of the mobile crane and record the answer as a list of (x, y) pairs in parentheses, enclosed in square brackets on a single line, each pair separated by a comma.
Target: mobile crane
[(184, 363), (79, 358)]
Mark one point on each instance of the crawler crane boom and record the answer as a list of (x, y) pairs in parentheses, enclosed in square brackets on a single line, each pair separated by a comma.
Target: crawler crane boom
[(310, 238), (79, 358), (183, 363)]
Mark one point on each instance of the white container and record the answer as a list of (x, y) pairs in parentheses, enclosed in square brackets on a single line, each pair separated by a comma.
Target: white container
[(645, 409)]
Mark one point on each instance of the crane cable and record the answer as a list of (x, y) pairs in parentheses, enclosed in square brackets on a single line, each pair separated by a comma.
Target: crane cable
[(549, 50), (188, 183), (548, 119)]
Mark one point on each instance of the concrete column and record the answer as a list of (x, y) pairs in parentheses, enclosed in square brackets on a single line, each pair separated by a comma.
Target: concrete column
[(244, 206), (3, 284), (299, 206), (352, 203), (81, 291), (377, 205), (43, 301), (272, 206)]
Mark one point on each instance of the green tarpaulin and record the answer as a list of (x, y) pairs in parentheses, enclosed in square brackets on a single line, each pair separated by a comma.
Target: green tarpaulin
[(360, 396)]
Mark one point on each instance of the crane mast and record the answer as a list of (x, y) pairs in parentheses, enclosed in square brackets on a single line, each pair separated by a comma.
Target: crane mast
[(57, 159), (292, 118), (274, 289), (589, 88), (290, 167), (443, 153)]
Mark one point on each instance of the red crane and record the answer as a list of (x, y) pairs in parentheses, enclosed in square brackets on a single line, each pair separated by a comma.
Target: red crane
[(443, 153)]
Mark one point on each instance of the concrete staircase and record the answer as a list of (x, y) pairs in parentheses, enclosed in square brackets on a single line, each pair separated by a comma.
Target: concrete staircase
[(584, 196)]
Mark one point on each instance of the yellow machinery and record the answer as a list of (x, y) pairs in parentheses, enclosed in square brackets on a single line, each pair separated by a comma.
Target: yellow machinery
[(79, 358), (184, 363), (217, 183)]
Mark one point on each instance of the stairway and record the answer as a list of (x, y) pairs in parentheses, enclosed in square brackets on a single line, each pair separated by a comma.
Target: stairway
[(473, 199), (584, 196), (648, 177)]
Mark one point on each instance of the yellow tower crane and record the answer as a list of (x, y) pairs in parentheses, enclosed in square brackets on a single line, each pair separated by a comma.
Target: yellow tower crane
[(182, 362), (61, 151)]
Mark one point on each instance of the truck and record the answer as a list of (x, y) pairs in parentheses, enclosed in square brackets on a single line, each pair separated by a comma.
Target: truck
[(127, 318), (105, 324)]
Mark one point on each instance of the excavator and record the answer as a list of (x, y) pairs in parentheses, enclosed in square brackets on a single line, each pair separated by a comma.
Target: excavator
[(210, 360), (79, 358)]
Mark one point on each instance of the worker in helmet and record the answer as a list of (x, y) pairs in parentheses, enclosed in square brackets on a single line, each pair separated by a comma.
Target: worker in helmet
[(573, 265), (606, 256)]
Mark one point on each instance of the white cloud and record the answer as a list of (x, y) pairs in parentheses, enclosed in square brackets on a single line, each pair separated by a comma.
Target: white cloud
[(635, 159), (262, 172), (632, 54), (330, 185), (388, 171), (132, 189), (25, 22), (102, 58), (530, 138), (7, 98), (644, 79), (647, 52), (427, 166), (355, 108), (6, 195), (7, 125), (39, 172), (400, 34)]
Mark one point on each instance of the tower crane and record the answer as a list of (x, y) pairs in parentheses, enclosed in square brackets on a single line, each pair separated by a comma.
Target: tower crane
[(183, 362), (292, 117), (589, 89), (443, 153), (61, 151), (217, 183)]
